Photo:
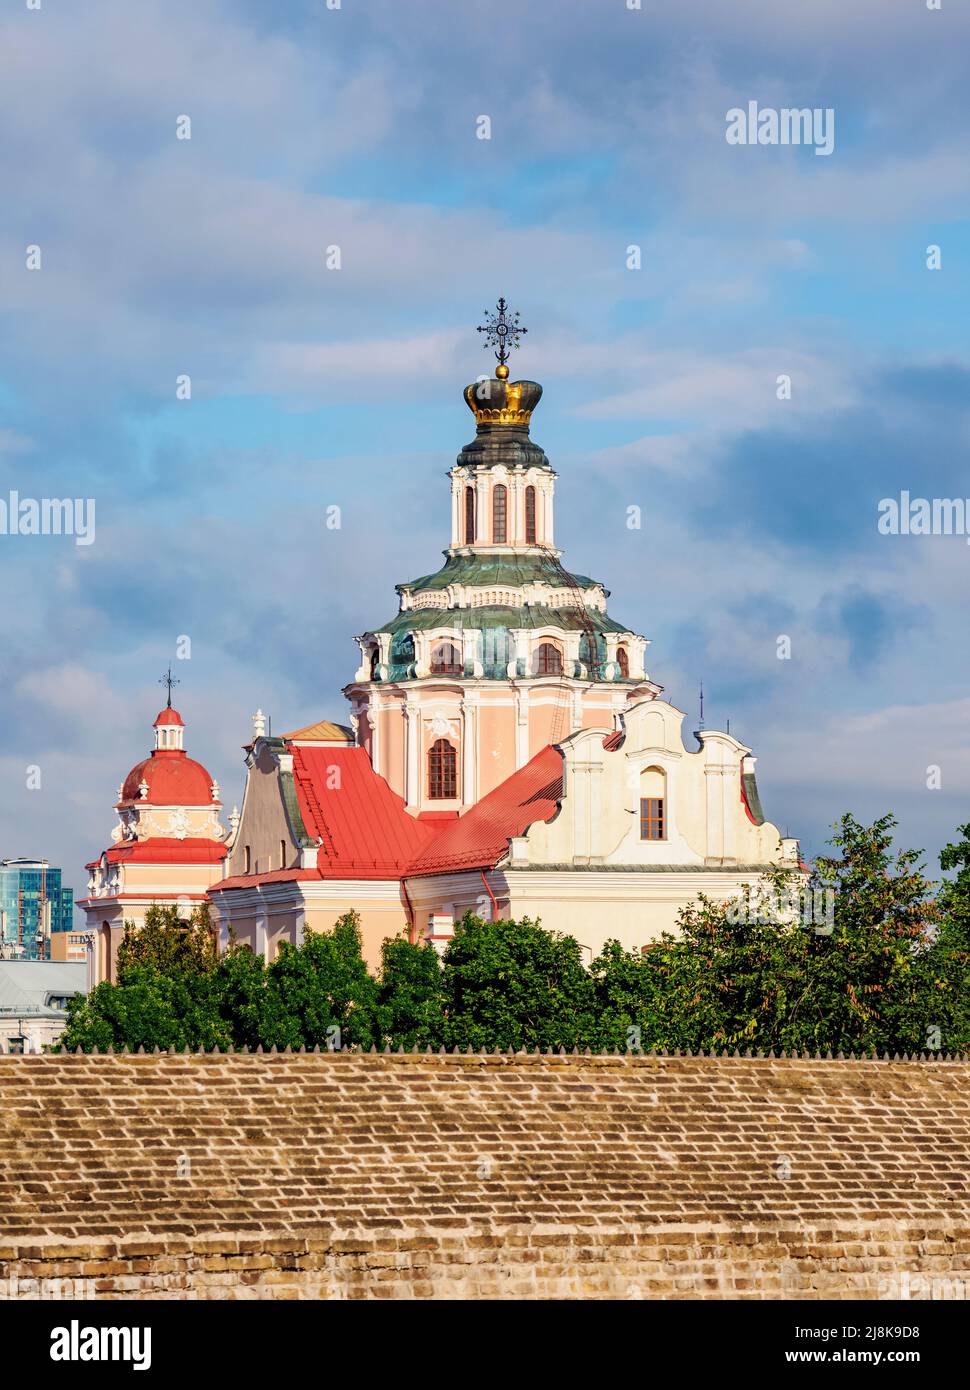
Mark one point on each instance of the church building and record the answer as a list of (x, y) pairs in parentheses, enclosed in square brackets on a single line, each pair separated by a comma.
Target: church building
[(507, 750)]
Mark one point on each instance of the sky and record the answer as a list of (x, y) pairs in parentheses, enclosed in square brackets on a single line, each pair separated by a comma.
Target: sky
[(357, 126)]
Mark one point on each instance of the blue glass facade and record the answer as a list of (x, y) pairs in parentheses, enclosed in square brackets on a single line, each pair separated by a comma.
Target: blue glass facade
[(33, 905)]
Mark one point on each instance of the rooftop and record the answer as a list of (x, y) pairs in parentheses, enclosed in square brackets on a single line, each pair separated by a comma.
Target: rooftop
[(26, 986)]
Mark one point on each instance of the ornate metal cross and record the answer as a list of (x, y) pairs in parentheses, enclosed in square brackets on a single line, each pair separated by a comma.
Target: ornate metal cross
[(502, 330), (169, 680)]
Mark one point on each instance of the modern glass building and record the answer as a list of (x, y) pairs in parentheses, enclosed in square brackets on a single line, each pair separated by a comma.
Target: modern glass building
[(33, 905)]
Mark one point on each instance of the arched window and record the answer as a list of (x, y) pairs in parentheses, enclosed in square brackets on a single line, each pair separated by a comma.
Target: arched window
[(442, 771), (375, 661), (499, 511), (469, 515), (446, 660), (530, 516), (623, 661), (653, 804), (548, 660)]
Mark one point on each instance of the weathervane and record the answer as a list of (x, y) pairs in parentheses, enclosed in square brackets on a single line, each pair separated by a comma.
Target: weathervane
[(169, 680), (502, 331)]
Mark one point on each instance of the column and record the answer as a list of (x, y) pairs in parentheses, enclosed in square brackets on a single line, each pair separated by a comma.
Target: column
[(412, 731), (730, 809), (483, 509), (374, 720), (516, 509), (714, 785), (455, 510), (469, 750), (521, 728)]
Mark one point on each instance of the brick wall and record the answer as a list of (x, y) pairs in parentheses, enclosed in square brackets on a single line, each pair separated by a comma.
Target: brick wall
[(347, 1175)]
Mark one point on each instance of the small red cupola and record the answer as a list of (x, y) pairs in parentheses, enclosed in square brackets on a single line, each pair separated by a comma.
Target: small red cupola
[(170, 777)]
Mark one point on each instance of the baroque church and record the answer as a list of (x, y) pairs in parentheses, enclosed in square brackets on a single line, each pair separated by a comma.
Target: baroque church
[(506, 752)]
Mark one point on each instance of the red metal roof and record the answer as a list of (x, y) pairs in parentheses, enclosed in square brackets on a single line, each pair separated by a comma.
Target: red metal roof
[(160, 849), (168, 716), (274, 876), (365, 830), (174, 779), (480, 837)]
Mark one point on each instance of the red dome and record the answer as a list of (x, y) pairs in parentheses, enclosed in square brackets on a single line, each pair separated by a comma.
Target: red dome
[(168, 716), (173, 778)]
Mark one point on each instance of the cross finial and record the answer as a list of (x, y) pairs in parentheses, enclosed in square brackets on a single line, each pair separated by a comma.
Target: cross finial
[(169, 680), (502, 331), (702, 704)]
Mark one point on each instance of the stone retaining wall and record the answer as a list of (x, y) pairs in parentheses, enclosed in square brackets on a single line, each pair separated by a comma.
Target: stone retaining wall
[(347, 1175)]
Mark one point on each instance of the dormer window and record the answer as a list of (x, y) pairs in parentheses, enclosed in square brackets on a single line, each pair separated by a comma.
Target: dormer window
[(548, 660), (446, 660), (623, 662), (375, 661)]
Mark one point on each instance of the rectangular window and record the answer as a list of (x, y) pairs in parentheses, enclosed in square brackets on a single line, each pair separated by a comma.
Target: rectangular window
[(652, 818), (442, 771)]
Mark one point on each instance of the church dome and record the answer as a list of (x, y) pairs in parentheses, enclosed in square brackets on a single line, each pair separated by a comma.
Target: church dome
[(168, 776), (173, 779)]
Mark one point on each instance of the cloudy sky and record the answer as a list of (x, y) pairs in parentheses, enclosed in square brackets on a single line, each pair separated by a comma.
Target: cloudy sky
[(355, 127)]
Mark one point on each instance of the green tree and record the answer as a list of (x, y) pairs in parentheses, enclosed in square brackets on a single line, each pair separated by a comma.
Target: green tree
[(950, 982), (872, 977), (513, 984), (164, 996), (149, 1010), (241, 997), (845, 962), (880, 965), (319, 987), (850, 977), (628, 1006), (411, 1002), (169, 944)]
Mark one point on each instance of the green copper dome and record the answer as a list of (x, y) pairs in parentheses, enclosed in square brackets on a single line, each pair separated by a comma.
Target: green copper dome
[(487, 569)]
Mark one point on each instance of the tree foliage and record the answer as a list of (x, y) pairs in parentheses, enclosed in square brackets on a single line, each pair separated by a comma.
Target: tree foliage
[(883, 966), (513, 984)]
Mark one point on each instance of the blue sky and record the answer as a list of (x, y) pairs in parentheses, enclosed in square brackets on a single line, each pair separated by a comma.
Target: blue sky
[(311, 387)]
